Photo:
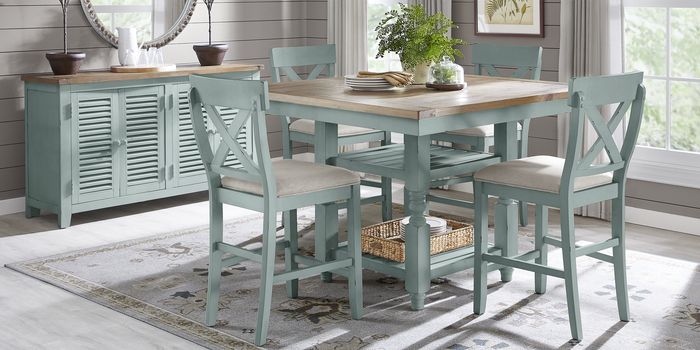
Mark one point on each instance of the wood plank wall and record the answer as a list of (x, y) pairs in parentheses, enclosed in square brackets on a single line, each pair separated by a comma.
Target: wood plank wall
[(543, 131), (29, 28)]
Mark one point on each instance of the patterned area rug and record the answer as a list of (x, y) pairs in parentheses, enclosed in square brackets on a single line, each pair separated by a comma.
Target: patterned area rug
[(162, 281)]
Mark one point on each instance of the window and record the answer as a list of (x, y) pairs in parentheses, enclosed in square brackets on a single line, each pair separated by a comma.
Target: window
[(662, 38), (375, 12), (148, 17)]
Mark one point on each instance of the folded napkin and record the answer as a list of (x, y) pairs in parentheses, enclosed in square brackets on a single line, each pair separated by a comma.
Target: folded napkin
[(398, 79)]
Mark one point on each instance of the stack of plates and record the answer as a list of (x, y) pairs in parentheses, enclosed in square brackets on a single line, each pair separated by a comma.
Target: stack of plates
[(367, 84), (437, 225)]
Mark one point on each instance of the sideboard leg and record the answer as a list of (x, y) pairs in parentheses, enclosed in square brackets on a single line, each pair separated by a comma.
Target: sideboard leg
[(31, 212), (64, 219)]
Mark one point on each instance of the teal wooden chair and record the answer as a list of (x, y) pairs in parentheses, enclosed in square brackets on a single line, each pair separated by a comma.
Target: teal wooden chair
[(523, 62), (284, 60), (567, 184), (257, 183)]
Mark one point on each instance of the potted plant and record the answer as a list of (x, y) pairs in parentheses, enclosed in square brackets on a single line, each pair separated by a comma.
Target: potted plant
[(212, 54), (418, 38), (65, 63)]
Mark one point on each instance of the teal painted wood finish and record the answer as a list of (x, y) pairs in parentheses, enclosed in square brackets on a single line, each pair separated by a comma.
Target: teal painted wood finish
[(284, 60), (523, 62), (419, 267), (98, 145), (250, 99), (587, 96)]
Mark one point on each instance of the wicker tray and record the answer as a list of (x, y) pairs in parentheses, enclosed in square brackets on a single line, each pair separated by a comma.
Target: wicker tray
[(384, 239)]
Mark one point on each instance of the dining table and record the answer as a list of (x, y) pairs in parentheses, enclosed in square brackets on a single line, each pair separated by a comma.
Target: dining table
[(418, 112)]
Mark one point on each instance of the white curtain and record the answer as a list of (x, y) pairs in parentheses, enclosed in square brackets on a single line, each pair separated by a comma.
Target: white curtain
[(590, 44), (435, 6), (347, 28)]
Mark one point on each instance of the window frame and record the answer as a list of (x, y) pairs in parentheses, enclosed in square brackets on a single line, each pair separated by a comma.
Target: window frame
[(665, 165)]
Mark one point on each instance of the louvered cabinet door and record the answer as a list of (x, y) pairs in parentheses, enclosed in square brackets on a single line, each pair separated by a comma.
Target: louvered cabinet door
[(94, 154), (188, 168), (143, 139)]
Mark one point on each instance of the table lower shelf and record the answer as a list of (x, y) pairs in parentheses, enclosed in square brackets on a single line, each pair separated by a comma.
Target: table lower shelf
[(440, 264)]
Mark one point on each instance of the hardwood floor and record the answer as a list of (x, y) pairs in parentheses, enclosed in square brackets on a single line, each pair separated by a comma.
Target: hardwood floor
[(35, 315)]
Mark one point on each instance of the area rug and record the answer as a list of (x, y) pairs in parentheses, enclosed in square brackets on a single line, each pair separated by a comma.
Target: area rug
[(162, 281)]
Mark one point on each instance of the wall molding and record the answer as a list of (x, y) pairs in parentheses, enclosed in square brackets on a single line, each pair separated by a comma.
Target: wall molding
[(664, 221), (12, 206)]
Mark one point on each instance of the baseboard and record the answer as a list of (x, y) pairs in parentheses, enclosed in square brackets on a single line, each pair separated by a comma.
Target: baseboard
[(663, 221), (11, 206)]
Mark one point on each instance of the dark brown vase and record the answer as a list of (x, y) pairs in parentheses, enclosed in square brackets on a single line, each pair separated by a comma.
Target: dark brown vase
[(65, 63), (210, 55)]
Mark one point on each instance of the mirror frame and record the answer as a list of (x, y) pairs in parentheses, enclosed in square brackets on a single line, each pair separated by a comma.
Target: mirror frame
[(112, 39)]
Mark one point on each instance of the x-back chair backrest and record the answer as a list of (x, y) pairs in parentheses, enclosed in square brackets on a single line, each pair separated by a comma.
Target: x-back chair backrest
[(285, 59), (588, 95), (527, 60), (250, 98)]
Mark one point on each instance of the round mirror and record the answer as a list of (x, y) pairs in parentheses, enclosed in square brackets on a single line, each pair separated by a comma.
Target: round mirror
[(157, 22)]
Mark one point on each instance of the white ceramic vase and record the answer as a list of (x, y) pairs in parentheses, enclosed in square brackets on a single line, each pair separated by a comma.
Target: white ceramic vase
[(128, 47)]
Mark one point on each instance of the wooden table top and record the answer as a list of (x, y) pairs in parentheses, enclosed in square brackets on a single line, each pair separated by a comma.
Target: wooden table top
[(418, 102), (104, 76)]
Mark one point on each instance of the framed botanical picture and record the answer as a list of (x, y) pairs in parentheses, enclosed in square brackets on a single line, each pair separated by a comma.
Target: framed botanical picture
[(509, 17)]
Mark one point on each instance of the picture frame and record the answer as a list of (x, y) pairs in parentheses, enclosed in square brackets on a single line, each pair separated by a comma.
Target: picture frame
[(523, 18)]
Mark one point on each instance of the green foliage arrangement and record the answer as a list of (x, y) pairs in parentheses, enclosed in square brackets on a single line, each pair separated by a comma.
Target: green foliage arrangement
[(444, 75), (415, 36)]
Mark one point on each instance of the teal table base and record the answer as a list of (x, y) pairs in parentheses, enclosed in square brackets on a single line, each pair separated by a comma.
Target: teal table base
[(419, 266)]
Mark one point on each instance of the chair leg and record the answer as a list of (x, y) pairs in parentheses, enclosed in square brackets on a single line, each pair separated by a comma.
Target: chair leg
[(570, 274), (619, 260), (268, 271), (387, 194), (387, 199), (355, 251), (522, 209), (541, 222), (481, 224), (292, 236), (216, 236), (326, 242)]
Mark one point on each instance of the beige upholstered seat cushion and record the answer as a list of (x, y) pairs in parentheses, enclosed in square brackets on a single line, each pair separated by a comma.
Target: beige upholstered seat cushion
[(542, 173), (481, 131), (306, 126), (297, 177)]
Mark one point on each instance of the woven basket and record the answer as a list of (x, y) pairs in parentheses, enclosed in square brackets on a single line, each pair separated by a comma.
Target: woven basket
[(384, 239)]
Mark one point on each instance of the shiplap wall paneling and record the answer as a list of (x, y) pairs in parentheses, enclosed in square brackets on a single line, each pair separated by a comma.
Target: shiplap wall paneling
[(30, 28)]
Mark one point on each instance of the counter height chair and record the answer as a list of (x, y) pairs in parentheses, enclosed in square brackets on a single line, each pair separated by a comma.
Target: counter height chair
[(566, 184), (524, 62), (284, 60), (257, 183)]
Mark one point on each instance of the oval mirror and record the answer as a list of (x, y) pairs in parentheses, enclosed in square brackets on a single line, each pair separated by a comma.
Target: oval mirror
[(157, 22)]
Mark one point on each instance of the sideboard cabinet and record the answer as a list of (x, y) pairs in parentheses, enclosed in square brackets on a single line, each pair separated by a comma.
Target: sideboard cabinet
[(99, 139)]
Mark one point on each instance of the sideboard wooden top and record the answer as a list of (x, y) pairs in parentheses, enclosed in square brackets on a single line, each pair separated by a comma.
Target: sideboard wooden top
[(417, 101), (89, 77)]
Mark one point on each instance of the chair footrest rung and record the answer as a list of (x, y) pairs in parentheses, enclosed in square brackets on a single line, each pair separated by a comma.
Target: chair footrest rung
[(524, 265), (241, 254), (593, 248), (317, 268), (589, 250)]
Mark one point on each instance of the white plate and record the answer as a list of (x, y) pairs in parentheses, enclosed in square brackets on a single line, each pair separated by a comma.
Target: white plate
[(360, 88)]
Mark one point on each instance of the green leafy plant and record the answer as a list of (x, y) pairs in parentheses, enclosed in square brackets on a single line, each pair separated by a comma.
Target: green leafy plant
[(444, 75), (416, 36)]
